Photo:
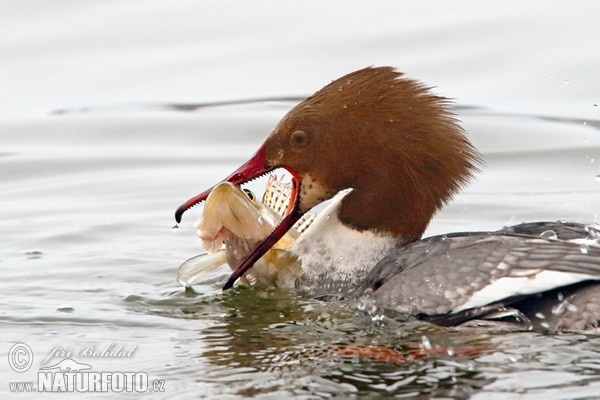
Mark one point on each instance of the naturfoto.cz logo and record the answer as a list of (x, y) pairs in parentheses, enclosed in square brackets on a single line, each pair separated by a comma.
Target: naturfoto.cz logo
[(69, 375)]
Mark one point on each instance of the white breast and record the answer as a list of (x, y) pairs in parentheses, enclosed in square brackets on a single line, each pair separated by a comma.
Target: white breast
[(334, 255)]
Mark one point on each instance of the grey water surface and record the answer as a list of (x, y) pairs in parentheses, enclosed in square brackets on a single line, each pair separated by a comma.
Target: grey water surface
[(100, 141)]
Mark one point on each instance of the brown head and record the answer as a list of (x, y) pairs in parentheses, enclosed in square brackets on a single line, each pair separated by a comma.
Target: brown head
[(387, 137)]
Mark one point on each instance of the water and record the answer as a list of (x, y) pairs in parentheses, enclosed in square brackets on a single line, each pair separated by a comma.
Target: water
[(87, 195)]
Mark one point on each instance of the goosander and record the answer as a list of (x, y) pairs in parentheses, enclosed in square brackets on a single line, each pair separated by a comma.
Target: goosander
[(391, 154)]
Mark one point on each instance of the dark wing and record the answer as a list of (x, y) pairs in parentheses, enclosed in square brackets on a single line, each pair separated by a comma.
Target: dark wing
[(561, 230), (452, 274)]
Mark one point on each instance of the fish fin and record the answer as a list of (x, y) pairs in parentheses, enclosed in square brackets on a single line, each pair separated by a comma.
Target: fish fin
[(304, 222), (277, 196), (193, 267)]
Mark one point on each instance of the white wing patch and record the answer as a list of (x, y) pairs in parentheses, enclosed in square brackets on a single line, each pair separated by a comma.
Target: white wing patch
[(514, 286)]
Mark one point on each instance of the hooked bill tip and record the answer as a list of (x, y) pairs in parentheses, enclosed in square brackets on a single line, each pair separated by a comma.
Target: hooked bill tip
[(179, 214), (189, 204), (255, 167), (230, 282)]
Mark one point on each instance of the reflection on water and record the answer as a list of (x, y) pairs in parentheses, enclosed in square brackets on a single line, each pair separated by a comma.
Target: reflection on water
[(259, 342)]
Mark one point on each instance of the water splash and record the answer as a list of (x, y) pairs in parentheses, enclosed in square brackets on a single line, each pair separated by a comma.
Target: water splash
[(425, 343), (367, 304), (549, 234)]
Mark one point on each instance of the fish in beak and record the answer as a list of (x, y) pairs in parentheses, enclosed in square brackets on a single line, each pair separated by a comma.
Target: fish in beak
[(232, 224), (257, 166)]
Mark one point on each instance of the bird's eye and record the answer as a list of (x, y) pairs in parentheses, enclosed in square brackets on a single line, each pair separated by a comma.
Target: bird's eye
[(249, 193), (298, 139)]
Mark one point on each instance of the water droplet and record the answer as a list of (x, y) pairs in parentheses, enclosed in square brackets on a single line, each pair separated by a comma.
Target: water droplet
[(566, 82), (595, 106), (598, 177), (539, 315), (560, 309), (549, 234), (367, 304), (572, 307), (425, 343), (583, 249), (594, 232)]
